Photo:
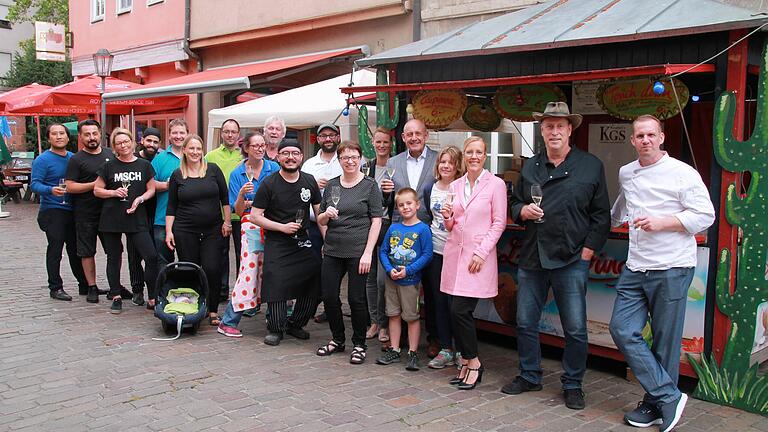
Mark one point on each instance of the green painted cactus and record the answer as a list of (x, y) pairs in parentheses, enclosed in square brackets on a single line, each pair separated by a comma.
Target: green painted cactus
[(383, 117), (750, 215), (363, 136)]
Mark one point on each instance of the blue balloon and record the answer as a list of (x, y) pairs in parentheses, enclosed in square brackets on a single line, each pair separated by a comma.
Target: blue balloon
[(345, 112), (658, 88), (695, 98)]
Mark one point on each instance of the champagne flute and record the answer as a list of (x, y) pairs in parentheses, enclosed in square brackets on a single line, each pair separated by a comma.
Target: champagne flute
[(299, 220), (536, 196), (390, 171), (126, 184), (449, 197), (335, 196), (63, 185), (249, 172)]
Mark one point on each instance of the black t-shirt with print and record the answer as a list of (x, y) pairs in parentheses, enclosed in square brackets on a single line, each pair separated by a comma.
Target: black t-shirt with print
[(280, 201), (82, 168), (113, 213)]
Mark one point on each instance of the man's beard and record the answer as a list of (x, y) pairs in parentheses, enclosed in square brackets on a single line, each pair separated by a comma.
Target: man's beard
[(329, 150), (150, 150), (289, 170), (92, 144)]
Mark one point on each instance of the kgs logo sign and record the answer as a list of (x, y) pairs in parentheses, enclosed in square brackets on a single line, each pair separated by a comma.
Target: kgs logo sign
[(612, 134)]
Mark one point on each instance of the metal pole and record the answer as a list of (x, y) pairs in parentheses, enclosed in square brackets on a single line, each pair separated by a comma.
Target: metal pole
[(103, 113)]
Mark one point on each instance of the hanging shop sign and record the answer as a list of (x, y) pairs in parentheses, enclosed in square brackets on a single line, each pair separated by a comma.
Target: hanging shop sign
[(584, 97), (629, 99), (439, 108), (481, 116), (519, 101)]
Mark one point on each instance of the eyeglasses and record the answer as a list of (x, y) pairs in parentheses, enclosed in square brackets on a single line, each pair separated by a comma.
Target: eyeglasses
[(290, 153), (122, 143), (349, 158), (257, 146), (326, 137)]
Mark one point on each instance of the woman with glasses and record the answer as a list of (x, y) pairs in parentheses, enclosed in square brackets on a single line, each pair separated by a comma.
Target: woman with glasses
[(351, 209), (125, 183), (243, 183)]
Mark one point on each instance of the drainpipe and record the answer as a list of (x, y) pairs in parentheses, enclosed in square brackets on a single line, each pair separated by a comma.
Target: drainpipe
[(198, 60), (416, 11)]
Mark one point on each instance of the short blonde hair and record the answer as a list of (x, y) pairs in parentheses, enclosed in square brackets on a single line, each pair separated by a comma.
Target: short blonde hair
[(184, 165), (120, 131), (457, 157)]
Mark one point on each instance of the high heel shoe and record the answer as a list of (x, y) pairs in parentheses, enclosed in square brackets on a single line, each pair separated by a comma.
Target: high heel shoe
[(458, 379), (464, 385)]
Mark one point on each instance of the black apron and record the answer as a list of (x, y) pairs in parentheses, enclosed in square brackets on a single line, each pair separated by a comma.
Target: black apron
[(290, 271)]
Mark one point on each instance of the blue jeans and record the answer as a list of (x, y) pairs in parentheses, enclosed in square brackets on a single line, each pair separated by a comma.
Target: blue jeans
[(164, 255), (663, 295), (569, 286), (231, 318)]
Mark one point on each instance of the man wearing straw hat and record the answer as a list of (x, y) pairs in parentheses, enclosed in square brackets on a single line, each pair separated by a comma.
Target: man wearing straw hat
[(562, 200)]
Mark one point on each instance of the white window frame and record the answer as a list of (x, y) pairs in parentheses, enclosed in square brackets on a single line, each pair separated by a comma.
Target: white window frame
[(123, 9), (154, 2), (95, 15)]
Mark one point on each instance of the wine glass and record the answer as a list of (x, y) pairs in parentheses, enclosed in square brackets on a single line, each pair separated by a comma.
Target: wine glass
[(449, 197), (336, 196), (63, 185), (390, 171), (126, 184), (249, 172), (299, 220), (536, 196)]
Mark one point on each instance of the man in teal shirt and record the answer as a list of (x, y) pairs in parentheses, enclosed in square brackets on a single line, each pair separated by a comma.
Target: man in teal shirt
[(228, 156), (165, 163)]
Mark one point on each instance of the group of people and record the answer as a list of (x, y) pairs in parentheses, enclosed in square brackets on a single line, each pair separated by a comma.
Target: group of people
[(421, 221)]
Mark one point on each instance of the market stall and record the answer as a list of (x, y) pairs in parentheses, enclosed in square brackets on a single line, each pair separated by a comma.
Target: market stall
[(612, 61)]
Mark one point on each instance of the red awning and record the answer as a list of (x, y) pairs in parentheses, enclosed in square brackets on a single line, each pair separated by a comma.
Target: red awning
[(238, 77), (83, 96), (20, 93)]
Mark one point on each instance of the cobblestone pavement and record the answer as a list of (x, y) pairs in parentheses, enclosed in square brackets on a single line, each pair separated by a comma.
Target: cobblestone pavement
[(70, 366)]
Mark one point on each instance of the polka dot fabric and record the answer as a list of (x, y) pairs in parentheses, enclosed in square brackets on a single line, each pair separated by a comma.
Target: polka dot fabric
[(247, 291)]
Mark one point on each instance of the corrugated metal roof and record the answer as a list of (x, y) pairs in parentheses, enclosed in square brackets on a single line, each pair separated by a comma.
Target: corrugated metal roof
[(561, 23)]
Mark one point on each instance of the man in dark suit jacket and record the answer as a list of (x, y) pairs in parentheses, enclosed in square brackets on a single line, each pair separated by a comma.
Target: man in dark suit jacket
[(415, 168)]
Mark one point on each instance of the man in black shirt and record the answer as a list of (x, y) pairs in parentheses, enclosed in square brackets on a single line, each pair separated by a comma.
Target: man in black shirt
[(150, 142), (562, 232), (80, 179), (291, 269)]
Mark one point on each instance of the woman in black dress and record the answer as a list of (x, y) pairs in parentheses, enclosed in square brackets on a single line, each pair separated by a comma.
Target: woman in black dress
[(197, 193), (352, 210), (125, 183)]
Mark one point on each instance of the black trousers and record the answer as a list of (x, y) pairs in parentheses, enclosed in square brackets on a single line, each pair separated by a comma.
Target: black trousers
[(59, 228), (236, 240), (144, 245), (277, 314), (464, 331), (441, 302), (135, 269), (333, 271), (203, 249)]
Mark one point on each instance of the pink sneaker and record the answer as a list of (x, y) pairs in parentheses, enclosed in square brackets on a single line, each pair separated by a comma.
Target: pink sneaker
[(229, 331)]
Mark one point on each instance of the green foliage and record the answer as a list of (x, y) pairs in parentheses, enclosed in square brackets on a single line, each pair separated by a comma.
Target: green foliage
[(54, 11), (748, 392)]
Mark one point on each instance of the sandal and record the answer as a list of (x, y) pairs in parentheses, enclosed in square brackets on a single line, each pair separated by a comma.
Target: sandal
[(358, 355), (331, 348), (214, 320), (383, 335), (372, 332)]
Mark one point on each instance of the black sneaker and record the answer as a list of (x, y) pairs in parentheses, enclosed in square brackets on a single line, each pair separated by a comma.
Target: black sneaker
[(138, 299), (60, 294), (413, 361), (645, 415), (389, 357), (298, 333), (117, 306), (93, 294), (273, 339), (520, 385), (574, 399), (671, 413)]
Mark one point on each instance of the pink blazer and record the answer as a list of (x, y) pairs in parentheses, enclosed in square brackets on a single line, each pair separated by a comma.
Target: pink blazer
[(478, 225)]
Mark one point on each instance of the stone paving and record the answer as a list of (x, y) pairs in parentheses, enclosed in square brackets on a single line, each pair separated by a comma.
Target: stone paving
[(71, 366)]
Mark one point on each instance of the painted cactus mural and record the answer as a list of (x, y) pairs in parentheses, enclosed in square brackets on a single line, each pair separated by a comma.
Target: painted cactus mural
[(383, 117), (734, 382)]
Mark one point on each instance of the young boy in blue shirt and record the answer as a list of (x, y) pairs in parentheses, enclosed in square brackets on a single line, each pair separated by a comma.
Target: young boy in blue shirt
[(405, 251)]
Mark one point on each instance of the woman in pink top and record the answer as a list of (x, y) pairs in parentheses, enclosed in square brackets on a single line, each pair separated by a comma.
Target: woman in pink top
[(475, 221)]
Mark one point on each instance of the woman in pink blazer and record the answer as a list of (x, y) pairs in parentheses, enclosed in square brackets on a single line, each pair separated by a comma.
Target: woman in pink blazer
[(475, 221)]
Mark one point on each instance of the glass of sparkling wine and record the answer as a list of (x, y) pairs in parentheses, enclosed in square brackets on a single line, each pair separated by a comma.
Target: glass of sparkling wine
[(390, 171), (126, 184), (449, 197), (299, 220), (536, 196), (336, 195), (63, 185)]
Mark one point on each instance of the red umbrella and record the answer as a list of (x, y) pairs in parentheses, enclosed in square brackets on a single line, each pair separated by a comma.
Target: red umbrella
[(83, 96), (21, 93)]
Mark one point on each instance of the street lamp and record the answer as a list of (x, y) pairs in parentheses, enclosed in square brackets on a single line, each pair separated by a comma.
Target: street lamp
[(102, 64)]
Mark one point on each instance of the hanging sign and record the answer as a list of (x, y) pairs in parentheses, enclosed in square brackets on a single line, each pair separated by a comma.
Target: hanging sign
[(50, 41), (584, 97), (628, 100), (520, 101), (481, 116), (439, 108)]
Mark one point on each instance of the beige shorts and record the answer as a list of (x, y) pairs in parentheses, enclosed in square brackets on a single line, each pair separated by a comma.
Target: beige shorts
[(401, 300)]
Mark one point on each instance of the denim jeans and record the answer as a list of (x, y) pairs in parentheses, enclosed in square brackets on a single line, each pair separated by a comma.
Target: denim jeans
[(164, 255), (662, 294), (569, 285), (231, 317)]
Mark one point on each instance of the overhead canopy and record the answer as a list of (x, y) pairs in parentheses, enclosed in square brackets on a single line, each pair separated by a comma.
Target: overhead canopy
[(19, 94), (239, 77), (83, 96), (563, 23)]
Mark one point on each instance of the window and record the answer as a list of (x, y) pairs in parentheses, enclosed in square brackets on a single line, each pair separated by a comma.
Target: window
[(151, 2), (124, 6), (97, 10), (5, 24)]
